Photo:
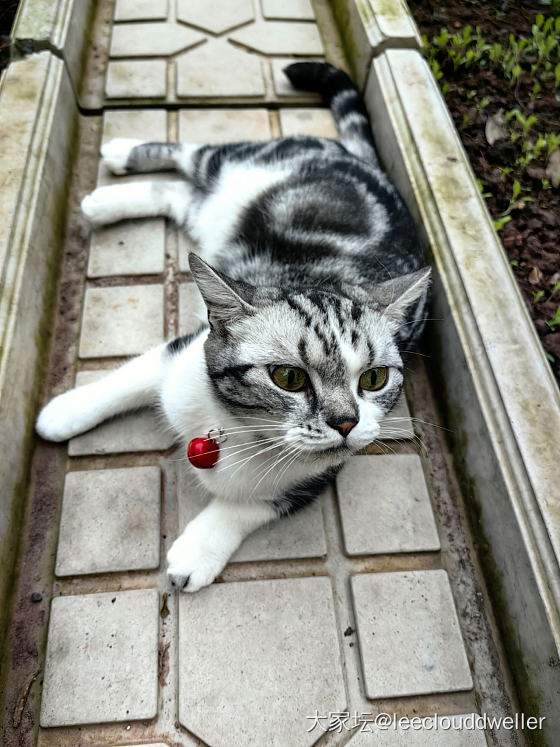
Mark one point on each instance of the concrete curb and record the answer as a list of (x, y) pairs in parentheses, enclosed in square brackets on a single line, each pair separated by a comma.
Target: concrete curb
[(60, 26), (37, 121), (501, 398), (368, 27)]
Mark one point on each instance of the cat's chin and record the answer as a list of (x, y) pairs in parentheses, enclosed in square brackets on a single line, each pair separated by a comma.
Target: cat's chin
[(332, 454)]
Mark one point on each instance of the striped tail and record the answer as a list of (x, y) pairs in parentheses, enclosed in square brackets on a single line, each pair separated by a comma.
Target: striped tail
[(345, 101)]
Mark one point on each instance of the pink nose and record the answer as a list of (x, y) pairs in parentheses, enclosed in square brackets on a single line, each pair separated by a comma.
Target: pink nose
[(343, 428)]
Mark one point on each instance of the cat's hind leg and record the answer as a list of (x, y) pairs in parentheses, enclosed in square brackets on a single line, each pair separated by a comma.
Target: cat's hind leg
[(128, 156), (143, 199), (136, 384)]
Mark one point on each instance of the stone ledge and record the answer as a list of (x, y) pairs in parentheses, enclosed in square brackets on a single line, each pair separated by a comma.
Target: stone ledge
[(368, 27), (59, 26), (506, 433), (36, 162)]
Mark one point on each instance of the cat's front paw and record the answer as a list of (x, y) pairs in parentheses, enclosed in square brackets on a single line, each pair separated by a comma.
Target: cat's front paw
[(100, 206), (195, 559), (116, 152), (63, 417)]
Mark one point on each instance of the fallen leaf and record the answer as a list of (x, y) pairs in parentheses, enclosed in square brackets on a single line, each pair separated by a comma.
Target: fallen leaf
[(535, 276), (495, 129), (553, 168)]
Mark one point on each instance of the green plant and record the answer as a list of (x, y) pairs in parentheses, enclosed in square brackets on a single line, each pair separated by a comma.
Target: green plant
[(554, 322)]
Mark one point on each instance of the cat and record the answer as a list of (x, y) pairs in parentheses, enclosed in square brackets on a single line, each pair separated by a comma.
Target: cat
[(315, 287)]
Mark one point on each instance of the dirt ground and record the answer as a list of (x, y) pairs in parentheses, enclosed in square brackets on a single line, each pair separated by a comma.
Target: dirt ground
[(473, 94)]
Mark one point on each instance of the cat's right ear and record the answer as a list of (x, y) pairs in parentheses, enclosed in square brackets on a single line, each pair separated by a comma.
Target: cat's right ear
[(222, 295)]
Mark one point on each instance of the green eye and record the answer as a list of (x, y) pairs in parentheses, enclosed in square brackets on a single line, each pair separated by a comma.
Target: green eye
[(374, 379), (288, 377)]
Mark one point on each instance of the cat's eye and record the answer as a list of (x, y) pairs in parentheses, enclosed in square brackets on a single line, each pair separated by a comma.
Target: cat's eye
[(374, 379), (288, 377)]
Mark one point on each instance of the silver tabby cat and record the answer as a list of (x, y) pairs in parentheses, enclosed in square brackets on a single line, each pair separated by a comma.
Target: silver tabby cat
[(313, 279)]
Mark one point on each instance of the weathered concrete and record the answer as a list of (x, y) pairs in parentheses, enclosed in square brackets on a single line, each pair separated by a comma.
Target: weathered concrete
[(37, 121)]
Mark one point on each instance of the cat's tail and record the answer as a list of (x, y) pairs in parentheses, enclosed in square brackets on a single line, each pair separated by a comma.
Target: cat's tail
[(345, 101)]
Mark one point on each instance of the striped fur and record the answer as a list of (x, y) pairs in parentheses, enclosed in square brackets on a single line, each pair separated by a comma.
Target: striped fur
[(307, 257)]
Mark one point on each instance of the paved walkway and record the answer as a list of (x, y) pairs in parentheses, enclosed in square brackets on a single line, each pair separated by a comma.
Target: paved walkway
[(320, 622)]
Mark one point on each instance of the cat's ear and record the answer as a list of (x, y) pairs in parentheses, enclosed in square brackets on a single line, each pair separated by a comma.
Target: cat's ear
[(222, 295), (398, 295)]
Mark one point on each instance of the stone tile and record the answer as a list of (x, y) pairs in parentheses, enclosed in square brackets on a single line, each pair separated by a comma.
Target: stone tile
[(136, 79), (314, 122), (409, 635), (124, 320), (299, 536), (447, 731), (192, 310), (142, 430), (398, 423), (277, 37), (219, 69), (287, 625), (151, 39), (216, 126), (141, 10), (143, 124), (297, 10), (385, 506), (185, 246), (215, 15), (102, 658), (282, 85), (128, 248), (110, 521)]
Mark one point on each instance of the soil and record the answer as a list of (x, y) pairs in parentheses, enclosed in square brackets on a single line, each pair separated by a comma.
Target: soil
[(530, 239), (8, 10)]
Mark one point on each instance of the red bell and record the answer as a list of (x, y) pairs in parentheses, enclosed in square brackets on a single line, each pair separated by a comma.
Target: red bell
[(203, 452)]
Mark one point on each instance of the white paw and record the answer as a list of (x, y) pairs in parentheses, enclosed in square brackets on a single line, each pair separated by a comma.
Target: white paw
[(115, 153), (196, 558), (64, 417), (99, 206)]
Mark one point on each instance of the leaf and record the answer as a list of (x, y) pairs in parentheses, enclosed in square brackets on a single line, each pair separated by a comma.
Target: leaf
[(535, 276), (552, 170), (495, 129)]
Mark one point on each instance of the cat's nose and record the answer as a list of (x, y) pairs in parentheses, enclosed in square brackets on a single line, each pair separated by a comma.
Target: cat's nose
[(343, 427)]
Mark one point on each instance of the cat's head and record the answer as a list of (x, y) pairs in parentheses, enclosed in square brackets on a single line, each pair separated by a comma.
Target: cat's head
[(324, 366)]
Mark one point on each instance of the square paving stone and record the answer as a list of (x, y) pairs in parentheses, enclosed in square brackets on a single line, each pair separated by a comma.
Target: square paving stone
[(256, 659), (123, 320), (142, 124), (152, 39), (140, 10), (298, 536), (409, 635), (102, 658), (110, 521), (127, 248), (136, 79), (143, 430), (217, 68), (313, 122), (385, 506), (277, 37), (297, 10), (398, 423), (217, 126), (192, 310), (446, 732)]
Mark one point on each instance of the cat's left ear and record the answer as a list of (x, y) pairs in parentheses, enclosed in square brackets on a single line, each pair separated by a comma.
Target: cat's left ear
[(398, 295), (222, 295)]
